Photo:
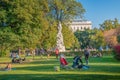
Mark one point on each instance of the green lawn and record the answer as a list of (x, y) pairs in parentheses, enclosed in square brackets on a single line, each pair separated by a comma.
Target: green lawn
[(105, 68)]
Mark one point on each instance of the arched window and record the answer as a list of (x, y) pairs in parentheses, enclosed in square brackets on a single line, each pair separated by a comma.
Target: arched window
[(74, 28), (81, 27)]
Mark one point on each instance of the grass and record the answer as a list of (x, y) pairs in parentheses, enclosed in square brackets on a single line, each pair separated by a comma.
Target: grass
[(105, 68)]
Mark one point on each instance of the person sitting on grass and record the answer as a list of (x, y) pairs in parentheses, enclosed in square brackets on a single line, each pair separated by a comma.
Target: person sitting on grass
[(76, 61), (63, 62), (20, 60)]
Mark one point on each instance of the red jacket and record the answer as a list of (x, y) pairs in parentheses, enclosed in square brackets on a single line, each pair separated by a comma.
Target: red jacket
[(63, 61), (56, 51)]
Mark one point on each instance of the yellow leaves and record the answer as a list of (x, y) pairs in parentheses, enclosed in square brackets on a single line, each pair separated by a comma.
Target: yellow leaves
[(69, 38), (110, 24)]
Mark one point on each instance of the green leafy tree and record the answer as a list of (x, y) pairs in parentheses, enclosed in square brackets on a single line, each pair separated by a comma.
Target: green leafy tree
[(31, 23), (90, 38), (83, 37), (64, 10), (99, 37), (109, 24), (8, 40), (69, 38), (118, 38), (49, 40), (26, 19)]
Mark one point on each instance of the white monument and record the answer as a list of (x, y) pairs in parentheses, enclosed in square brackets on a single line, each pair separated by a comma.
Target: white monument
[(60, 43)]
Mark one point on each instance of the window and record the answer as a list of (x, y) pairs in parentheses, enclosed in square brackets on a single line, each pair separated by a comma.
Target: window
[(81, 28)]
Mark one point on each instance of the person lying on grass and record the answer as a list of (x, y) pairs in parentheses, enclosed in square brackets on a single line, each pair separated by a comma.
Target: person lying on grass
[(8, 67)]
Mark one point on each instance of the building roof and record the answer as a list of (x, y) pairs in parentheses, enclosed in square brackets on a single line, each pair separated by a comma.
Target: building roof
[(82, 22)]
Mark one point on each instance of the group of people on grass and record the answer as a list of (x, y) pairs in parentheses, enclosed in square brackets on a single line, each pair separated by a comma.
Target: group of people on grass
[(77, 60), (16, 58)]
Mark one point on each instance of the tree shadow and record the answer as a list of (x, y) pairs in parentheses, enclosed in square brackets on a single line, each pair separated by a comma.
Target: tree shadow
[(41, 68), (103, 60), (58, 77)]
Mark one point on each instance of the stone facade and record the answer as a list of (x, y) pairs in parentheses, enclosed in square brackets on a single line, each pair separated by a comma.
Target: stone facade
[(80, 25)]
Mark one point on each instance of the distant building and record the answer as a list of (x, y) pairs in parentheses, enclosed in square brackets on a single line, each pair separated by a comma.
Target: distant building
[(80, 25)]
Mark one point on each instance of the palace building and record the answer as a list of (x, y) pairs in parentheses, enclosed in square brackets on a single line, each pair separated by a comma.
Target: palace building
[(80, 25)]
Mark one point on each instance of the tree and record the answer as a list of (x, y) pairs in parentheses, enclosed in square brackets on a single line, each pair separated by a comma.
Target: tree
[(118, 34), (90, 38), (83, 38), (8, 40), (116, 23), (109, 24), (49, 40), (32, 23), (99, 37), (62, 11), (118, 38), (69, 38), (26, 20)]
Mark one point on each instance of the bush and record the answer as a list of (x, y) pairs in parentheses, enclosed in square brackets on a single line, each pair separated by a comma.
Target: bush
[(116, 51), (4, 53)]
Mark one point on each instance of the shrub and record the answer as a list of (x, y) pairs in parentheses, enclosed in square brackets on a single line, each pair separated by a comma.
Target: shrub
[(116, 51), (2, 53)]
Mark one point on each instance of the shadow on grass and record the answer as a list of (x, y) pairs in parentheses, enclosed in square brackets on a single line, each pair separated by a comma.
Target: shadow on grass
[(45, 62), (48, 65), (93, 68), (100, 69), (105, 68), (41, 68), (58, 77), (103, 60)]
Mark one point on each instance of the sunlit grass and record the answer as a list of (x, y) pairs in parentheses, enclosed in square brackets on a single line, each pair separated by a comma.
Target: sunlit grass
[(105, 68)]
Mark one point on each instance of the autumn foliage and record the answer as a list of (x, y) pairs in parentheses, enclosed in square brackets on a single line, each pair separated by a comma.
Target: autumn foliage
[(117, 52)]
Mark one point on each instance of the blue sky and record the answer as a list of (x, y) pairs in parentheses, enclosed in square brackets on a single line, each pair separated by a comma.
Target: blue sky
[(98, 11)]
